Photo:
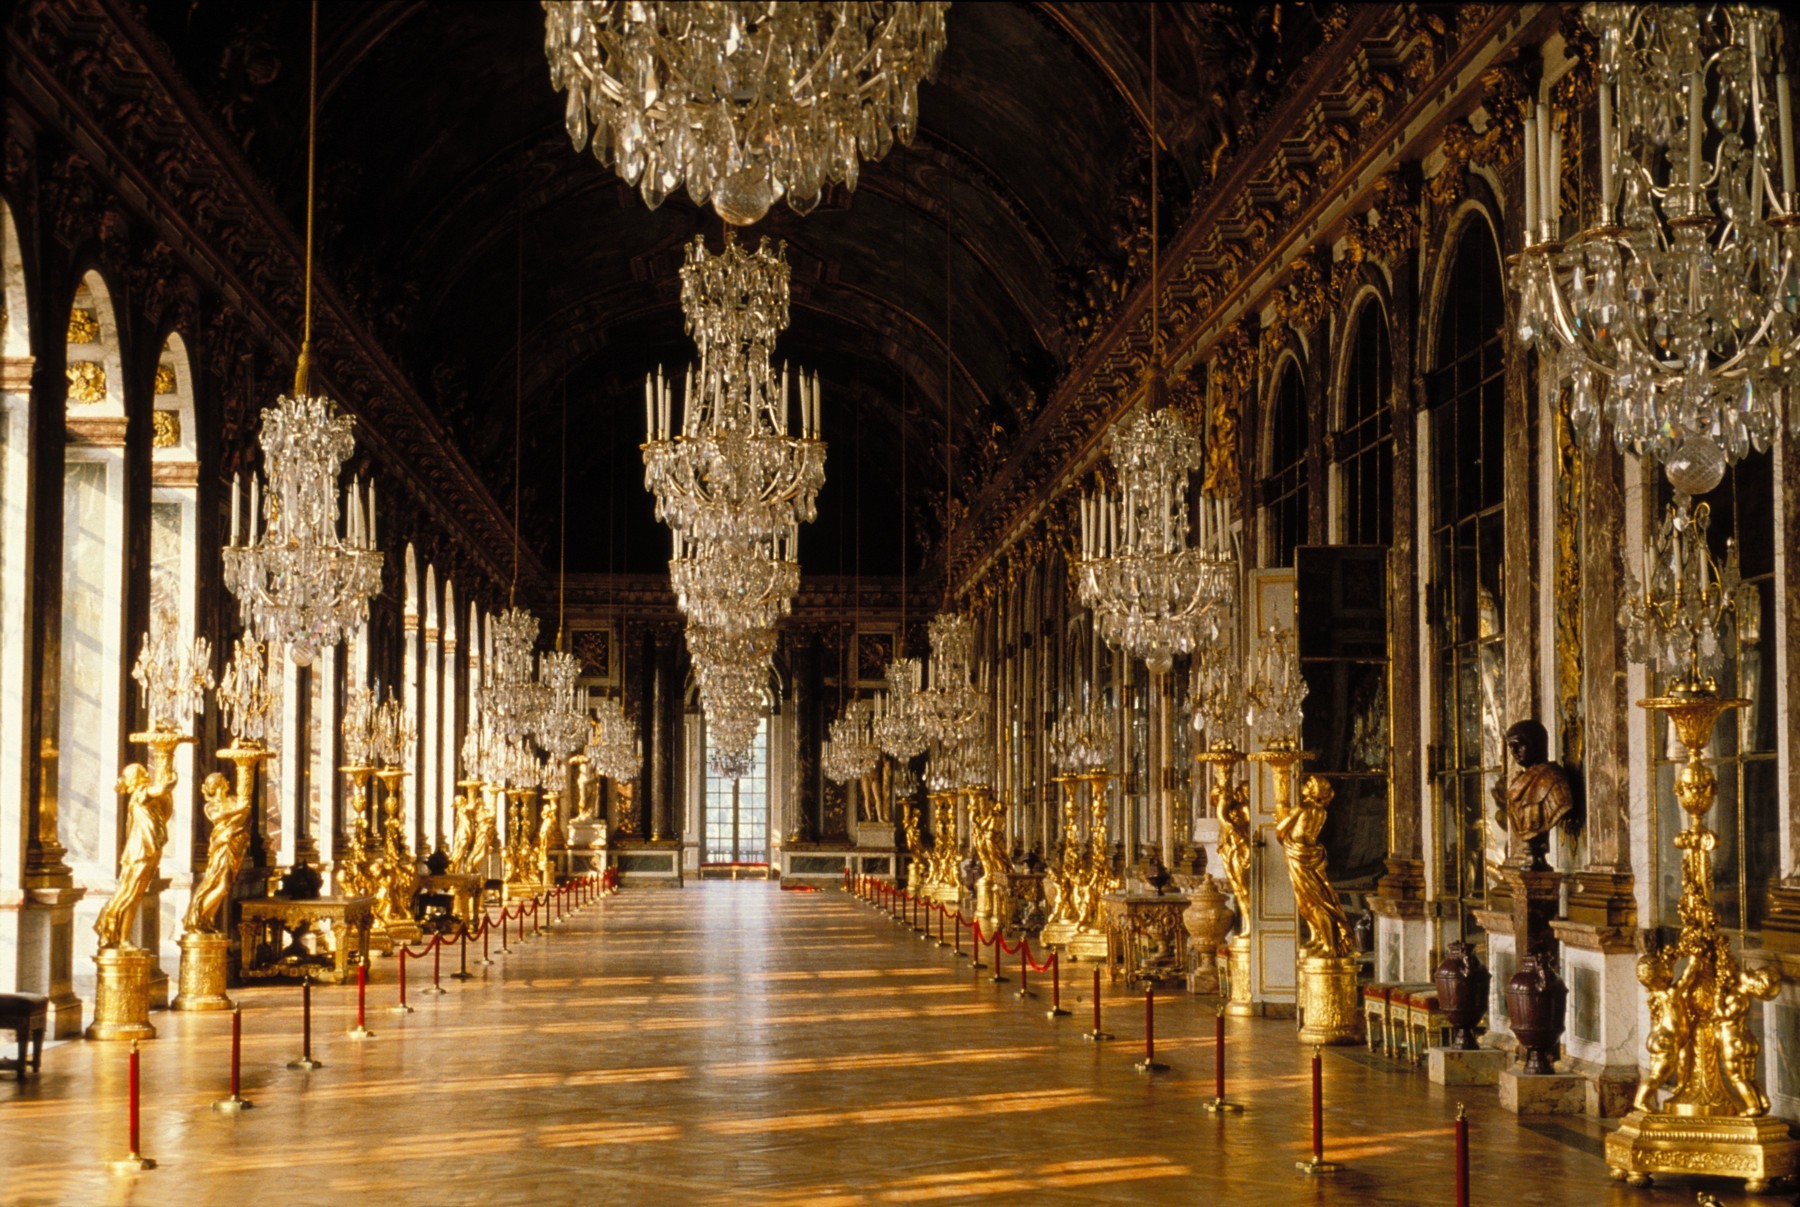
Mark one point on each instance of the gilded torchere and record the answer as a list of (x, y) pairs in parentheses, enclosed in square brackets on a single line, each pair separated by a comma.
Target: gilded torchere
[(1063, 871), (353, 873), (1715, 1117), (985, 814), (122, 995), (484, 829), (1230, 799), (1329, 1004), (203, 945), (940, 882), (917, 868), (462, 833), (396, 875), (1097, 877)]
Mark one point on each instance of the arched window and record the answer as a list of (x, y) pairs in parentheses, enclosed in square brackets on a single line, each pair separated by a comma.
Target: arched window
[(1467, 520), (92, 679), (174, 548), (15, 415), (1364, 445), (1284, 490)]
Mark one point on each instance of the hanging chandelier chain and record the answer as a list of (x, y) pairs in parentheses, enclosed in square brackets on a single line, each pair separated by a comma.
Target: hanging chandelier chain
[(303, 368)]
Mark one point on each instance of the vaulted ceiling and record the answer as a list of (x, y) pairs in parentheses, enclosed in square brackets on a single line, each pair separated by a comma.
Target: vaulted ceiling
[(456, 216)]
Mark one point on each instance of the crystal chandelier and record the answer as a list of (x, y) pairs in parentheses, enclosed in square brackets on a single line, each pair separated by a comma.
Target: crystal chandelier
[(562, 727), (1155, 595), (732, 673), (898, 726), (1216, 697), (1674, 316), (1081, 739), (743, 103), (1678, 621), (358, 727), (302, 582), (1276, 689), (850, 751), (734, 587), (732, 472), (512, 699), (614, 749), (1155, 590), (173, 677), (391, 733), (951, 704), (249, 694)]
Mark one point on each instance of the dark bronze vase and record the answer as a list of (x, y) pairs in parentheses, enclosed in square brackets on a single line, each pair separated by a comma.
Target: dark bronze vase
[(1535, 997), (1462, 984)]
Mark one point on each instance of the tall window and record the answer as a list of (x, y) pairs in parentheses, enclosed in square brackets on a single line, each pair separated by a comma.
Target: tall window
[(1284, 489), (1742, 756), (1466, 618), (1365, 438), (737, 811), (15, 409)]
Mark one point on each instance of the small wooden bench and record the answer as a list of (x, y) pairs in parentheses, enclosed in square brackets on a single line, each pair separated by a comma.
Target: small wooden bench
[(26, 1015)]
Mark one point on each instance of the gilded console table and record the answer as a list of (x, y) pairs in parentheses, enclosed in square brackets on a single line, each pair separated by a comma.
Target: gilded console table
[(273, 934), (1145, 936), (463, 889)]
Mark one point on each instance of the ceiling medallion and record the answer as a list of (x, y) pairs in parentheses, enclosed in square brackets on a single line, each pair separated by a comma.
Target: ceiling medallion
[(742, 102)]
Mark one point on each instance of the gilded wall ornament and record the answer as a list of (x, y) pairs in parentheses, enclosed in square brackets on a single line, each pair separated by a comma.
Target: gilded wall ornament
[(165, 429), (84, 326), (87, 382), (165, 378)]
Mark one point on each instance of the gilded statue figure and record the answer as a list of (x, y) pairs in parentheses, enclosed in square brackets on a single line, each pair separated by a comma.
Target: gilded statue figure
[(1231, 805), (1538, 798), (875, 803), (1670, 1058), (549, 836), (484, 836), (150, 802), (1738, 1047), (463, 835), (909, 825), (1298, 827), (397, 879), (225, 848)]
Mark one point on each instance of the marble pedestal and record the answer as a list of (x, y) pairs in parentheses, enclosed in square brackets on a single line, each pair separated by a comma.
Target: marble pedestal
[(1459, 1066), (46, 944), (1542, 1093)]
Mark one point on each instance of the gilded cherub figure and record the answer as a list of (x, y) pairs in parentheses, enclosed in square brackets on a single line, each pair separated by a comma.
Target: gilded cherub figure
[(225, 848), (150, 802), (1738, 1048), (1668, 1025)]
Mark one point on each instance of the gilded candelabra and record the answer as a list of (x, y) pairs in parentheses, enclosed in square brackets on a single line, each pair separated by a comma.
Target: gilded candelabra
[(1230, 799), (204, 948), (354, 863), (940, 883), (986, 812), (1715, 1118), (917, 869), (396, 876)]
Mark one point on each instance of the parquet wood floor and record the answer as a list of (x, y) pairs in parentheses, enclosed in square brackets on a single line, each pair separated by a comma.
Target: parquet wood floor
[(729, 1043)]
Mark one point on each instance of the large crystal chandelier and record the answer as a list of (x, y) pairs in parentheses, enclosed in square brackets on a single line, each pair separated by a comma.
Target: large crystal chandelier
[(512, 698), (1154, 593), (850, 751), (562, 728), (732, 472), (304, 572), (1674, 315), (614, 749), (743, 103), (1156, 584), (951, 704), (898, 726)]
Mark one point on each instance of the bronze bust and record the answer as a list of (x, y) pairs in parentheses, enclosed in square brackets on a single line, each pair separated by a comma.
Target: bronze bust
[(1539, 796)]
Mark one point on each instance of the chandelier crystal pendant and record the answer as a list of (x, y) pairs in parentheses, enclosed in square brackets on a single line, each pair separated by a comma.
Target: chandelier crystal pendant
[(249, 694), (1676, 317), (1154, 589), (562, 728), (305, 571), (741, 103)]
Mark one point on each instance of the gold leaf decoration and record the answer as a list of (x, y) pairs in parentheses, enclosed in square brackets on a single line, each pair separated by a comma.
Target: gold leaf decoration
[(84, 326), (87, 381), (165, 429), (165, 378)]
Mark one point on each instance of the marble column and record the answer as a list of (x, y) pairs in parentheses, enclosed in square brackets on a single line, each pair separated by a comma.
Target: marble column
[(661, 736)]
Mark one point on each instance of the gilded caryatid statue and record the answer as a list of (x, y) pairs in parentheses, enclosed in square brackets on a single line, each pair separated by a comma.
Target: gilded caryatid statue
[(484, 836), (915, 846), (1231, 805), (229, 818), (549, 837), (1298, 827), (397, 878), (462, 837), (1538, 798), (150, 802)]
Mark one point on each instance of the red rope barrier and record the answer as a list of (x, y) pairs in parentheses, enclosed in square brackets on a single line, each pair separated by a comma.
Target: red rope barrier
[(1218, 1105), (236, 1102), (1318, 1164), (1150, 1064), (1462, 1156), (999, 959), (306, 1060), (976, 943), (400, 954), (134, 1160), (1097, 1035), (1056, 1010)]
